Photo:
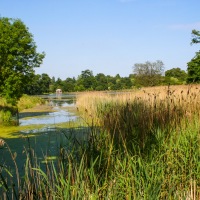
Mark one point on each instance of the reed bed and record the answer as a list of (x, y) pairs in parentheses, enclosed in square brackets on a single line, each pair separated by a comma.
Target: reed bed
[(159, 126), (145, 110)]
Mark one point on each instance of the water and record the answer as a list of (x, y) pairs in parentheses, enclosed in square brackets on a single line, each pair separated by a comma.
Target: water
[(57, 116), (60, 112)]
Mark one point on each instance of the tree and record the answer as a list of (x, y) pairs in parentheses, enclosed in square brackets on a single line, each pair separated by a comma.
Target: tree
[(195, 37), (18, 58), (52, 87), (69, 84), (194, 69), (194, 65), (101, 82), (45, 82), (148, 73), (59, 84), (87, 80), (33, 87), (126, 81), (181, 75)]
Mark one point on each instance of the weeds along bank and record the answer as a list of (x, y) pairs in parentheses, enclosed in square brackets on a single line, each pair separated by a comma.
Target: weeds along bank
[(8, 113), (151, 139)]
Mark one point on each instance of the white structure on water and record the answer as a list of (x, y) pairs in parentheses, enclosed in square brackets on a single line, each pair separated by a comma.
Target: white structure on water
[(58, 93)]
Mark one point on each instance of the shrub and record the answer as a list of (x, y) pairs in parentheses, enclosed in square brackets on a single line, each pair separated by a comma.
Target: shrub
[(5, 117)]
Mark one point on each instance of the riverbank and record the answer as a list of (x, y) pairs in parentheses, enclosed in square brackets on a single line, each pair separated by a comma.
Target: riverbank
[(39, 108), (41, 112)]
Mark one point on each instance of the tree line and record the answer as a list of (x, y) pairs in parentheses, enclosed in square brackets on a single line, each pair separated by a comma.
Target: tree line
[(87, 81), (19, 57)]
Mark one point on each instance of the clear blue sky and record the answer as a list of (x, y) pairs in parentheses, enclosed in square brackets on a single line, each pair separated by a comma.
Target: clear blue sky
[(108, 36)]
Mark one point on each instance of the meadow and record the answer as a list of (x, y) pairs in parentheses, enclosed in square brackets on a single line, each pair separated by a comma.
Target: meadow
[(142, 144)]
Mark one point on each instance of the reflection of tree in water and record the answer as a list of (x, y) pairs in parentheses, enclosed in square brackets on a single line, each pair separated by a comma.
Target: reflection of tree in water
[(70, 101), (67, 102)]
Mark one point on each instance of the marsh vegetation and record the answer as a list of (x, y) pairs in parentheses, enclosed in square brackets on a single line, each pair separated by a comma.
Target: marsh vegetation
[(143, 144)]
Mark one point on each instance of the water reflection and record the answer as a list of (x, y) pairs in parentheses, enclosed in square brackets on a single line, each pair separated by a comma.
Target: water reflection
[(59, 114)]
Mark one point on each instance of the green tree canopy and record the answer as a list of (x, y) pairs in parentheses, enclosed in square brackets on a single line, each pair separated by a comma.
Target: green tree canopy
[(176, 73), (194, 65), (69, 84), (194, 69), (102, 82), (195, 36), (87, 80), (18, 58)]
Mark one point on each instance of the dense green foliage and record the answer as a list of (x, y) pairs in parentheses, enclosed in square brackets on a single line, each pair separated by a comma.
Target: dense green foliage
[(86, 81), (195, 36), (18, 58), (40, 84), (176, 75), (194, 65), (194, 69)]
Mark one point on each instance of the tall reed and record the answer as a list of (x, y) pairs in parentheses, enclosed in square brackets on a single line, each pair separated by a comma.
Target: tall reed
[(135, 116), (159, 126)]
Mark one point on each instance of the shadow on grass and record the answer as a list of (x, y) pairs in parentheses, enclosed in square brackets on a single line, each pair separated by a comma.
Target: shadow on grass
[(8, 108), (32, 114)]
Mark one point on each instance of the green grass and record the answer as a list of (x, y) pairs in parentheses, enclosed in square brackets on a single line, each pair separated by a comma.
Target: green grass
[(26, 102)]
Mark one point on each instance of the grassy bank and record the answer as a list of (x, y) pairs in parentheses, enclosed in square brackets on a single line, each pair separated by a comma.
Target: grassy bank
[(9, 113), (142, 145)]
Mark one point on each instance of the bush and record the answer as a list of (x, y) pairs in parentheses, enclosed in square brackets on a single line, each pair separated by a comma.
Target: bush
[(5, 117)]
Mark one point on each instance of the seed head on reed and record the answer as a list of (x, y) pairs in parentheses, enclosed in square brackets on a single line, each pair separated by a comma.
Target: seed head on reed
[(2, 142)]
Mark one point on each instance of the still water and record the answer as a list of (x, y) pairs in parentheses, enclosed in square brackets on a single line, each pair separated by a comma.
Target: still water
[(60, 112)]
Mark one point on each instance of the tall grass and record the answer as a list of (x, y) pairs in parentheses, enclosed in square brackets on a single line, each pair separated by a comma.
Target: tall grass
[(6, 112), (26, 102), (135, 116), (143, 145), (159, 126)]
